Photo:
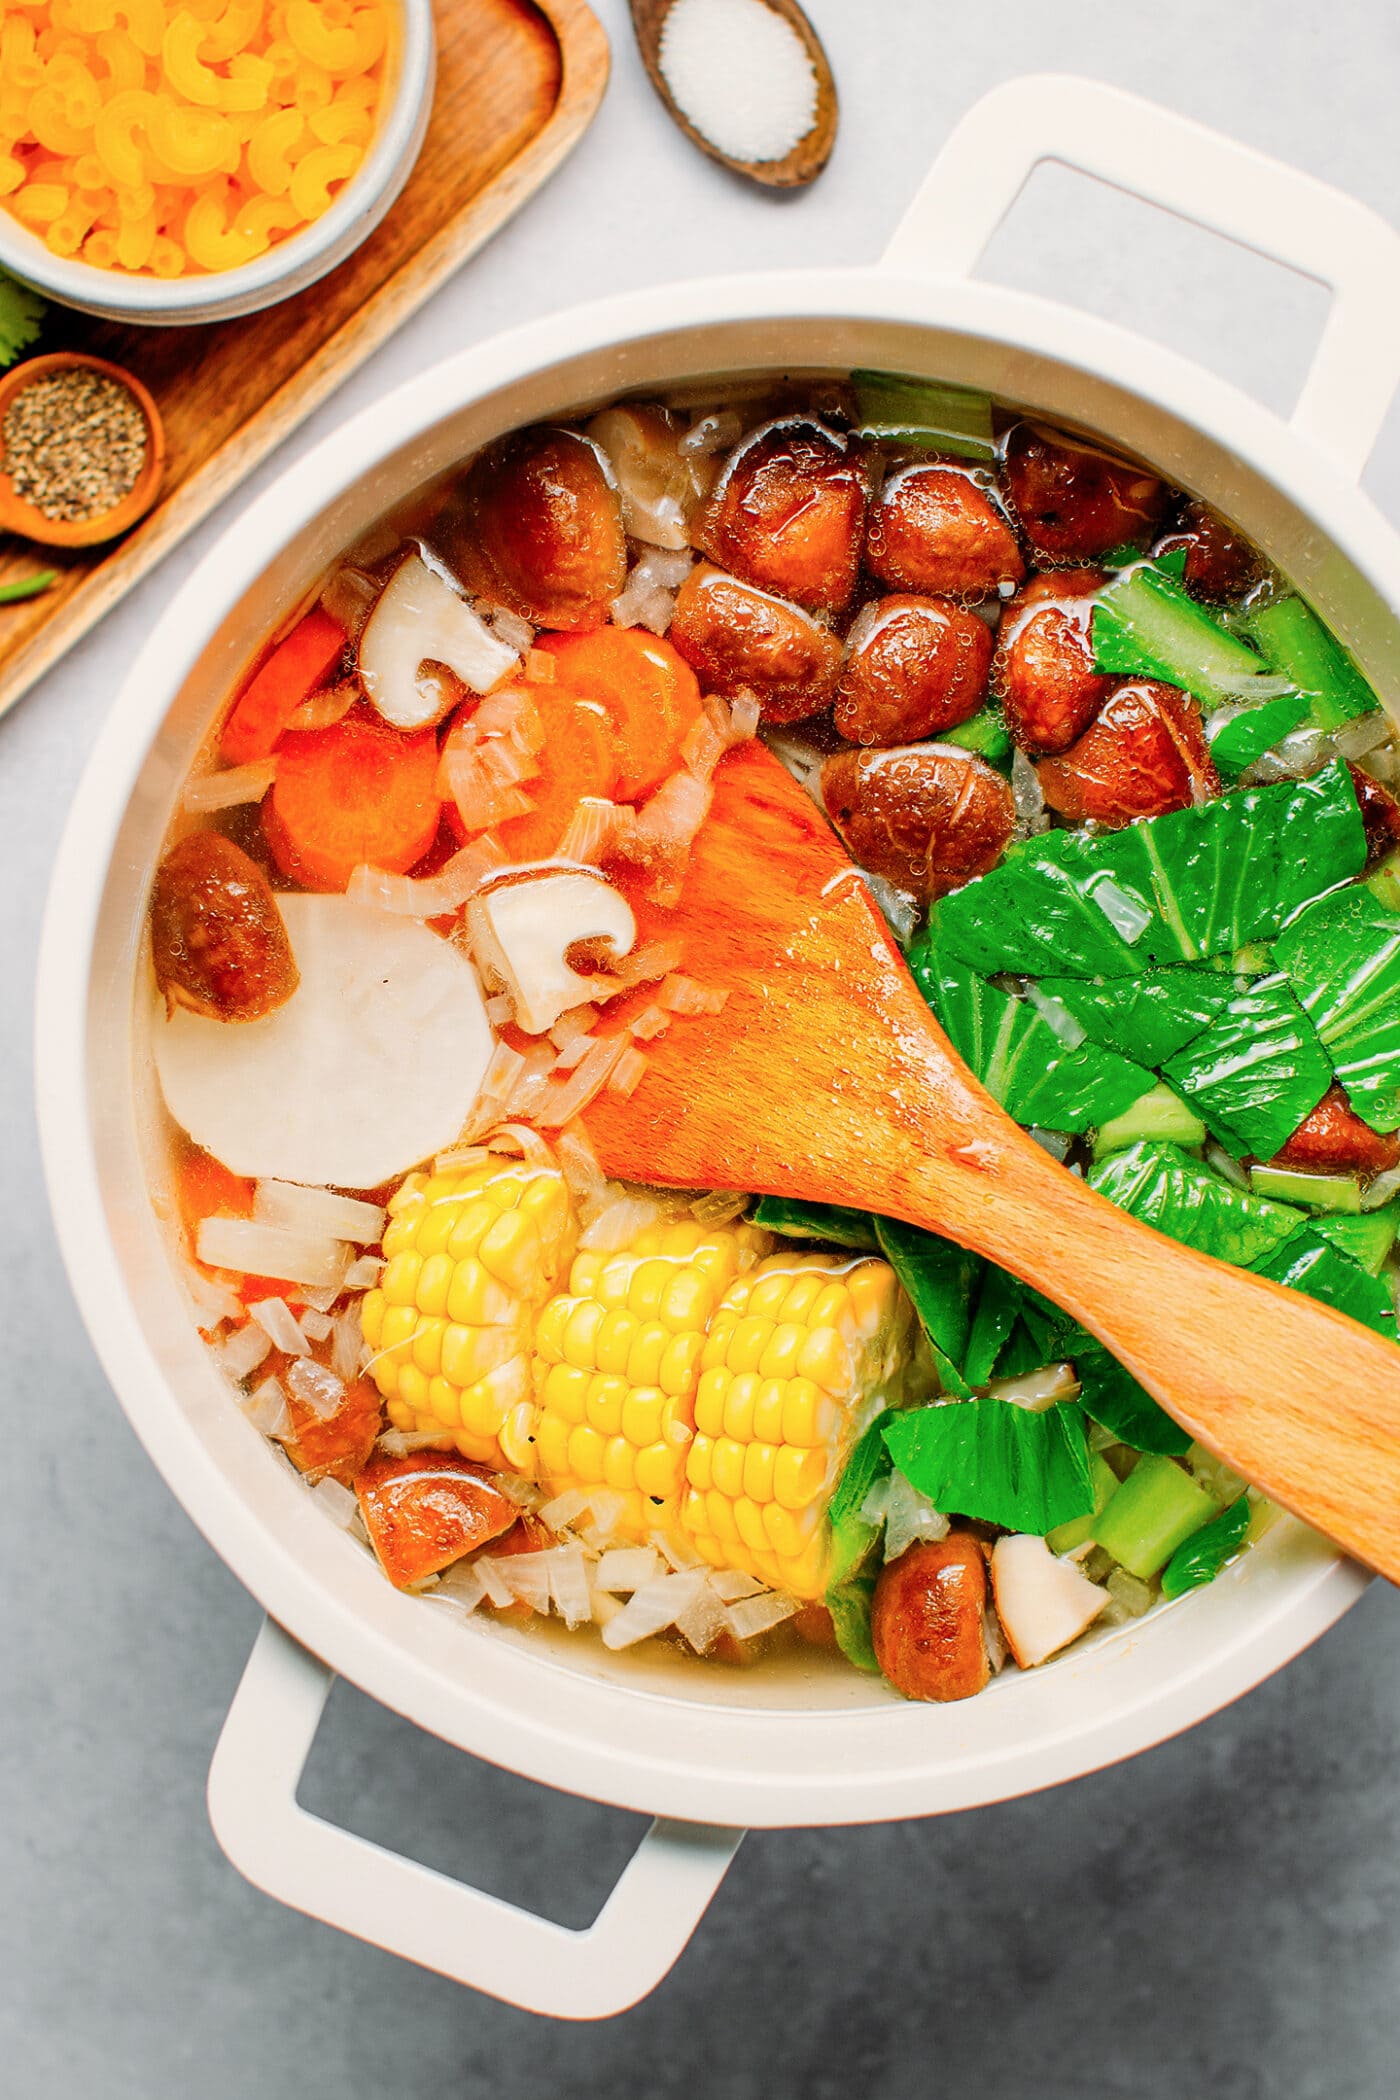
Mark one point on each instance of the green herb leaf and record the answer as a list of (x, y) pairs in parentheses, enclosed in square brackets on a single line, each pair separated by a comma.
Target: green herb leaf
[(1240, 739), (21, 317), (1015, 1052), (1312, 1265), (1185, 1200), (1299, 646), (1147, 624), (817, 1221), (852, 1537), (1147, 1018), (1112, 1397), (1201, 1557), (1256, 1071), (1342, 957), (1194, 883), (997, 1462), (939, 1277)]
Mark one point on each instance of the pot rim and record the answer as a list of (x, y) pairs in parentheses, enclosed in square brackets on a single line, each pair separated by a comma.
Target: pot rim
[(720, 1763)]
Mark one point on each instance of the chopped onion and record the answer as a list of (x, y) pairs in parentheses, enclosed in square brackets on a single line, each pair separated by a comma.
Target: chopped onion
[(266, 1408), (1382, 1189), (318, 1212), (314, 1324), (719, 1206), (573, 1052), (526, 1576), (653, 1608), (645, 965), (212, 1298), (256, 1249), (337, 1502), (498, 1083), (1028, 794), (461, 1588), (651, 1022), (347, 1341), (364, 1274), (731, 1584), (1038, 1389), (608, 1508), (583, 1084), (226, 790), (1070, 1031), (279, 1323), (619, 1222), (498, 1593), (1363, 733), (529, 1092), (597, 829), (323, 710), (682, 995), (578, 1163), (675, 1556), (400, 1443), (320, 1296), (754, 1615), (909, 1516), (627, 1568), (568, 1584), (499, 1009), (317, 1388), (900, 913), (429, 896), (703, 1620), (1127, 915), (576, 1021), (561, 1512), (626, 1075), (242, 1351)]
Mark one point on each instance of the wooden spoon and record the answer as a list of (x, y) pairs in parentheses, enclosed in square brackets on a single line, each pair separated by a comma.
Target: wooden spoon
[(827, 1078), (808, 157)]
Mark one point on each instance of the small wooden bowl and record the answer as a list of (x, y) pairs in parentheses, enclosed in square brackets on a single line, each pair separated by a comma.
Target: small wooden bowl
[(18, 516)]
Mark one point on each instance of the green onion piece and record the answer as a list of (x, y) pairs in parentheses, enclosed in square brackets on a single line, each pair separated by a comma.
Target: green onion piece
[(1205, 1553), (1147, 624), (1298, 645), (925, 414), (817, 1221), (1159, 1113), (1104, 1481), (985, 733), (1241, 739), (1367, 1240), (1155, 1510), (1317, 1191), (28, 586)]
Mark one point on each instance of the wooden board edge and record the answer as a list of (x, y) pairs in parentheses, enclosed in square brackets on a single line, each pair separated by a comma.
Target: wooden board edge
[(585, 58)]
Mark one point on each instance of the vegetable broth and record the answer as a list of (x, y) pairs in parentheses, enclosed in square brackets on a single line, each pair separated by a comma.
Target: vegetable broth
[(1128, 809)]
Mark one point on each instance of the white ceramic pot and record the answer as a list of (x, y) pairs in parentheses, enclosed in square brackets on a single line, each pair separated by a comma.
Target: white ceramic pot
[(705, 1751), (292, 264)]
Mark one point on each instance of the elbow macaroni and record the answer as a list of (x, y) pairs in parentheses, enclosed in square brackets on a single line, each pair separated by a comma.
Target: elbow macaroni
[(173, 137)]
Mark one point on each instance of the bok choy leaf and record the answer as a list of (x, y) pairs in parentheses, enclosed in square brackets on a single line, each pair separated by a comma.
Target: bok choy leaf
[(1184, 1199), (992, 1460), (1342, 956), (1256, 1071)]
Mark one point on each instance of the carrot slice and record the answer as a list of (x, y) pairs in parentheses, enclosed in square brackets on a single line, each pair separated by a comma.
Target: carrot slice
[(291, 674), (578, 758), (427, 1509), (648, 689), (356, 793)]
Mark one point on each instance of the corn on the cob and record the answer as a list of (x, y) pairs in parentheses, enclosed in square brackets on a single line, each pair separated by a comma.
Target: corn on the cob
[(617, 1357), (469, 1259), (791, 1370)]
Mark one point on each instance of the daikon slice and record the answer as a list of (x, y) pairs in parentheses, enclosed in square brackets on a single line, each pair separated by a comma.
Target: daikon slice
[(371, 1066)]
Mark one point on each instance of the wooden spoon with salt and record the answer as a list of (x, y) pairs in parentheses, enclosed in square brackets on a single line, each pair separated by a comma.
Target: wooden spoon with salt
[(826, 1078), (804, 160)]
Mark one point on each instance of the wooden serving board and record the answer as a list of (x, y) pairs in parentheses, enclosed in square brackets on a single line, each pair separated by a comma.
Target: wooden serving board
[(517, 85)]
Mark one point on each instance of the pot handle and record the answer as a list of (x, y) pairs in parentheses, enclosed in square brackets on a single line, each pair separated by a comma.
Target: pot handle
[(1201, 175), (424, 1916)]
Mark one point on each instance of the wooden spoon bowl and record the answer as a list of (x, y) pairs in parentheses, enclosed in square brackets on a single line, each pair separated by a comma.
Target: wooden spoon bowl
[(808, 157), (17, 515), (827, 1078)]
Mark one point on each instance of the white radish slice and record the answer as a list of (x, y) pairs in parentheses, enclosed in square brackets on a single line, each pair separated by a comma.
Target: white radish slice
[(417, 619), (371, 1066), (1043, 1603)]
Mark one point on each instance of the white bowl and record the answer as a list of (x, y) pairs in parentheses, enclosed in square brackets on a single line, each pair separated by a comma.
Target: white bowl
[(808, 1742), (289, 266)]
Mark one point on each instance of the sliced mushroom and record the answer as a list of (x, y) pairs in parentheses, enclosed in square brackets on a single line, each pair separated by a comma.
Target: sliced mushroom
[(660, 485), (525, 931), (1043, 1603), (419, 619)]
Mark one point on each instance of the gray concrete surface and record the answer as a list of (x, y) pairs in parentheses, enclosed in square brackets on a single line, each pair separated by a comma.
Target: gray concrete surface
[(1220, 1917)]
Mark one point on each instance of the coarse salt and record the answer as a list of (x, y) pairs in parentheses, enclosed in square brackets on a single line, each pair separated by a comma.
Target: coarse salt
[(740, 74)]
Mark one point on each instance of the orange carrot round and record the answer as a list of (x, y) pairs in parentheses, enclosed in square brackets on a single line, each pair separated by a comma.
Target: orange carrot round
[(277, 689), (357, 793), (648, 689), (578, 758)]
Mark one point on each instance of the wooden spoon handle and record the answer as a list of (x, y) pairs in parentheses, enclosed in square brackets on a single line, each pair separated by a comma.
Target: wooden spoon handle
[(1299, 1398)]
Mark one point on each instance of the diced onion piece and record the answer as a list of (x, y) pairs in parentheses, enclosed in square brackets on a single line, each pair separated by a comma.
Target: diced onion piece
[(498, 1009), (703, 1620), (1039, 1389), (1364, 733), (1043, 1603), (279, 1323), (1026, 792), (461, 1587), (573, 1052), (210, 1298), (242, 1351), (266, 1408), (627, 1568), (626, 1075), (572, 1025), (226, 790), (400, 1442), (730, 1584), (256, 1249), (372, 1065), (909, 1516), (645, 965), (561, 1512), (1070, 1031), (1127, 915), (578, 1163), (526, 1576), (315, 1325), (754, 1615), (419, 618), (347, 1341), (317, 1388), (320, 1211), (337, 1502), (583, 1085), (522, 931), (607, 1507), (677, 1557), (719, 1206), (651, 1022), (364, 1274), (619, 1222), (569, 1592), (1382, 1190), (596, 829), (498, 1593), (682, 995), (652, 1609), (324, 710), (429, 896)]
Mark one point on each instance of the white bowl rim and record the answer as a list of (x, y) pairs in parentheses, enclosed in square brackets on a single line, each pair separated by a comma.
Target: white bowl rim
[(637, 1752), (306, 256)]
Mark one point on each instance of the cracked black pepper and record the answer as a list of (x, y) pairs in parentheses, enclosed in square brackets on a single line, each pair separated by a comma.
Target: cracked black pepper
[(74, 444)]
